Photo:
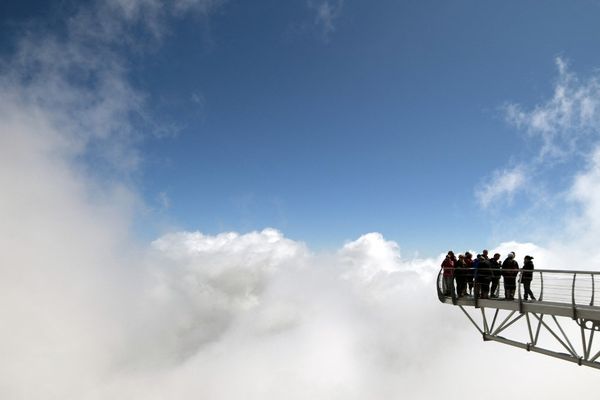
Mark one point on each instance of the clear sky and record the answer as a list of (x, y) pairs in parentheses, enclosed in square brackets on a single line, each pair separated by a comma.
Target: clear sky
[(328, 122)]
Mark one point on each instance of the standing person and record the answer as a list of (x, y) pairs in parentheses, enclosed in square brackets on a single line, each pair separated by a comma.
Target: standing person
[(460, 271), (484, 277), (510, 269), (476, 278), (448, 273), (484, 253), (470, 273), (527, 276), (495, 275)]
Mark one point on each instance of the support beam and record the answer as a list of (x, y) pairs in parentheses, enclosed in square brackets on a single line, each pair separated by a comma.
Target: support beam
[(535, 349), (471, 319)]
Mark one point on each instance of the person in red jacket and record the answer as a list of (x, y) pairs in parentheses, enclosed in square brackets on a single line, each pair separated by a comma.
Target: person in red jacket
[(448, 273)]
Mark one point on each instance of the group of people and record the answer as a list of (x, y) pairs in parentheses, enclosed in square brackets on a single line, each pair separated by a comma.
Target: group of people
[(481, 275)]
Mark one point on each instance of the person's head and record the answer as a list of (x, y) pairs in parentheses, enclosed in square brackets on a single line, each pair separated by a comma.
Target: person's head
[(511, 255), (468, 255), (484, 253), (451, 254), (461, 257), (497, 256), (527, 258)]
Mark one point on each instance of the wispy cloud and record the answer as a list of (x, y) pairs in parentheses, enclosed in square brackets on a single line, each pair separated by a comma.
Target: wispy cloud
[(568, 118), (582, 225), (321, 22), (153, 15), (502, 186), (567, 126), (326, 14)]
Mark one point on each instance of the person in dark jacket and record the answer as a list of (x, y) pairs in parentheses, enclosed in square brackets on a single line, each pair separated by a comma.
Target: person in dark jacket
[(510, 269), (484, 253), (460, 271), (475, 266), (469, 275), (526, 277), (448, 273), (484, 277), (495, 275)]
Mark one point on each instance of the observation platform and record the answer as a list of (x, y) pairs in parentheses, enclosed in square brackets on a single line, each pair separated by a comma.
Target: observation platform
[(563, 297)]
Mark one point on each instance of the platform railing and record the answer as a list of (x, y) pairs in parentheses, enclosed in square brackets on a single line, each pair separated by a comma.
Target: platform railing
[(574, 287)]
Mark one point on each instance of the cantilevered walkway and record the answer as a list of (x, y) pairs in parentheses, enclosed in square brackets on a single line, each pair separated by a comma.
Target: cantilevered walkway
[(561, 323)]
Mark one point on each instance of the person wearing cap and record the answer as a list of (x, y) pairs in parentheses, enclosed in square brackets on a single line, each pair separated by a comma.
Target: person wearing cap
[(510, 269), (526, 277)]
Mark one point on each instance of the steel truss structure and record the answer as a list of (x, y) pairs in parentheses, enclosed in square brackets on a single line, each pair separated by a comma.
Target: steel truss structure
[(561, 325)]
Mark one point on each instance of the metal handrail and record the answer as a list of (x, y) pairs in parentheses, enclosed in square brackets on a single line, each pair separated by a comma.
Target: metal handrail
[(558, 286), (573, 296), (542, 284), (593, 291), (569, 271)]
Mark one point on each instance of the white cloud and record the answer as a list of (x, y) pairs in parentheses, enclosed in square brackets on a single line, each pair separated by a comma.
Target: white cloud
[(567, 125), (582, 222), (504, 184), (152, 14), (585, 189), (569, 117), (326, 14)]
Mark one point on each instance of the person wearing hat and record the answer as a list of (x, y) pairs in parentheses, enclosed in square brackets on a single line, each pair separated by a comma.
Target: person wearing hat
[(510, 269), (526, 277)]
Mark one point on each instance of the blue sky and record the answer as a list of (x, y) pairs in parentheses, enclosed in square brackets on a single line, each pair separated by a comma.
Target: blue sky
[(385, 116)]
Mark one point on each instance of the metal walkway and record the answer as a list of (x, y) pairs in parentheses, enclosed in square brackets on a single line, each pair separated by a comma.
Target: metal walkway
[(561, 323)]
